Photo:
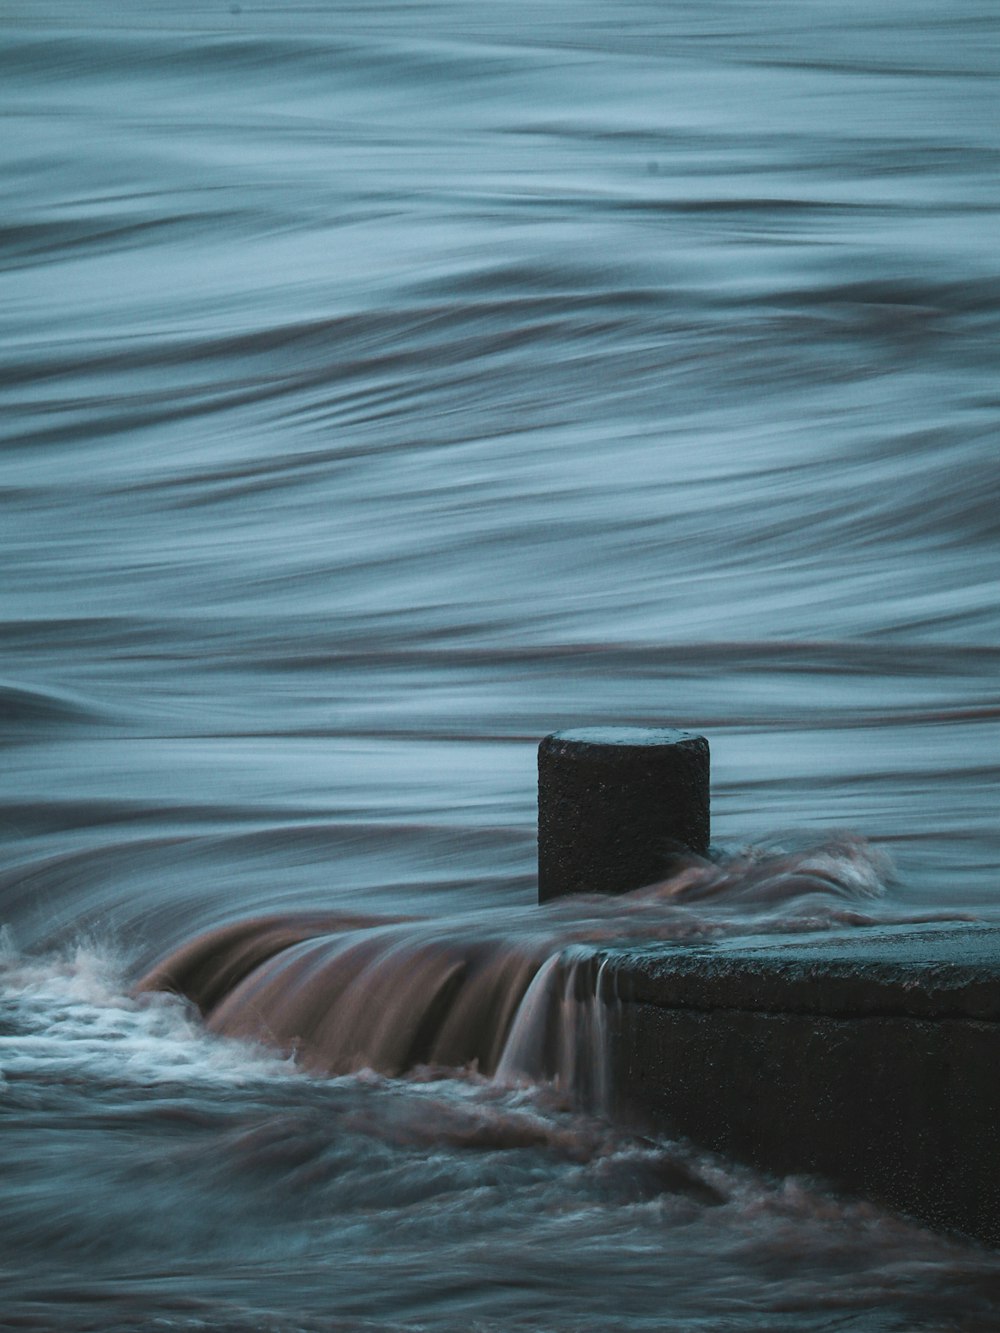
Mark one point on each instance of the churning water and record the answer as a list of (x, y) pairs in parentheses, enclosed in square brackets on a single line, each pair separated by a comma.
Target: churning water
[(385, 386)]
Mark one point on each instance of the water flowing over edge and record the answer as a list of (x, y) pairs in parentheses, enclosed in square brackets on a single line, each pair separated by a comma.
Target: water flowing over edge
[(515, 995)]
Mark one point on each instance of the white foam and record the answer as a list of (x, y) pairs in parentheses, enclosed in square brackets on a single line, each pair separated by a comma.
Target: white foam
[(69, 1015)]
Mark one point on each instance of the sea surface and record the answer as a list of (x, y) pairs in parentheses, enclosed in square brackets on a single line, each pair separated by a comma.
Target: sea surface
[(383, 387)]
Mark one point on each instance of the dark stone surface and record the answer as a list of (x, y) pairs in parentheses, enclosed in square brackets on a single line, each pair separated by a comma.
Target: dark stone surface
[(872, 1060), (615, 805), (913, 971)]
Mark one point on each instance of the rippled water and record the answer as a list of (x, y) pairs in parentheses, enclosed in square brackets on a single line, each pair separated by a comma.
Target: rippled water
[(384, 388)]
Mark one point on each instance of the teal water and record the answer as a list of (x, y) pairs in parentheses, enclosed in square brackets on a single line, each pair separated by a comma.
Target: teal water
[(384, 388)]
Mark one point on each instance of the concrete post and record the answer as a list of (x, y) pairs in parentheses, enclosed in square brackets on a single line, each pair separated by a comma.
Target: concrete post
[(614, 803)]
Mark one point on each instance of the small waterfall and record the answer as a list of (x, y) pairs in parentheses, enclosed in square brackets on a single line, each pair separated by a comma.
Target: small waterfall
[(393, 997), (515, 996), (563, 1029), (524, 1053)]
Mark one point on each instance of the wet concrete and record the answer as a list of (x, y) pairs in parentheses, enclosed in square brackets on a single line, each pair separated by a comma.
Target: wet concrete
[(869, 1058), (616, 804)]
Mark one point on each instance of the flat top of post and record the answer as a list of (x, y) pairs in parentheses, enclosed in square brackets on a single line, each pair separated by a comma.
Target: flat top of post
[(630, 736)]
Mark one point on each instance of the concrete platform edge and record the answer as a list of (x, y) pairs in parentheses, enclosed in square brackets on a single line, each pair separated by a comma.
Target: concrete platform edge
[(869, 1058)]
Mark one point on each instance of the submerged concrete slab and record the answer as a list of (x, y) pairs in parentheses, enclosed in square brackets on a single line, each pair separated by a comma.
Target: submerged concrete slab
[(870, 1058)]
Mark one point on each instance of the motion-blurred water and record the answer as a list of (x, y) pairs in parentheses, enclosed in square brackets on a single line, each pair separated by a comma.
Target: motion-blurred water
[(383, 388)]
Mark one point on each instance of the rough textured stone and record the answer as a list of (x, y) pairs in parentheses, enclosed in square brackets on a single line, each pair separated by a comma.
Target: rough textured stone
[(871, 1059), (614, 806)]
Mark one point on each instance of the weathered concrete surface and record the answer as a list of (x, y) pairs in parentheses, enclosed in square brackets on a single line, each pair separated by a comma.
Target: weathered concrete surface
[(870, 1058), (614, 804)]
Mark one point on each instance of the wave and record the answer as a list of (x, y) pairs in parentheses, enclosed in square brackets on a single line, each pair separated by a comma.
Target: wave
[(506, 994)]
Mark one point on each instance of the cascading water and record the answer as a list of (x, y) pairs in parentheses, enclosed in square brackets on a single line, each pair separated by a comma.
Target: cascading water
[(561, 1032), (526, 995)]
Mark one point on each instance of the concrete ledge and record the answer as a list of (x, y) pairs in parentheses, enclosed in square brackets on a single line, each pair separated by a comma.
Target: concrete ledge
[(871, 1058)]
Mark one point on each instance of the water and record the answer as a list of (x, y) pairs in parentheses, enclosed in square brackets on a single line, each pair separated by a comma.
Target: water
[(384, 388)]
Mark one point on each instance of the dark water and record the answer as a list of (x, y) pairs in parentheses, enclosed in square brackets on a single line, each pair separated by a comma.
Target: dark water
[(383, 388)]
